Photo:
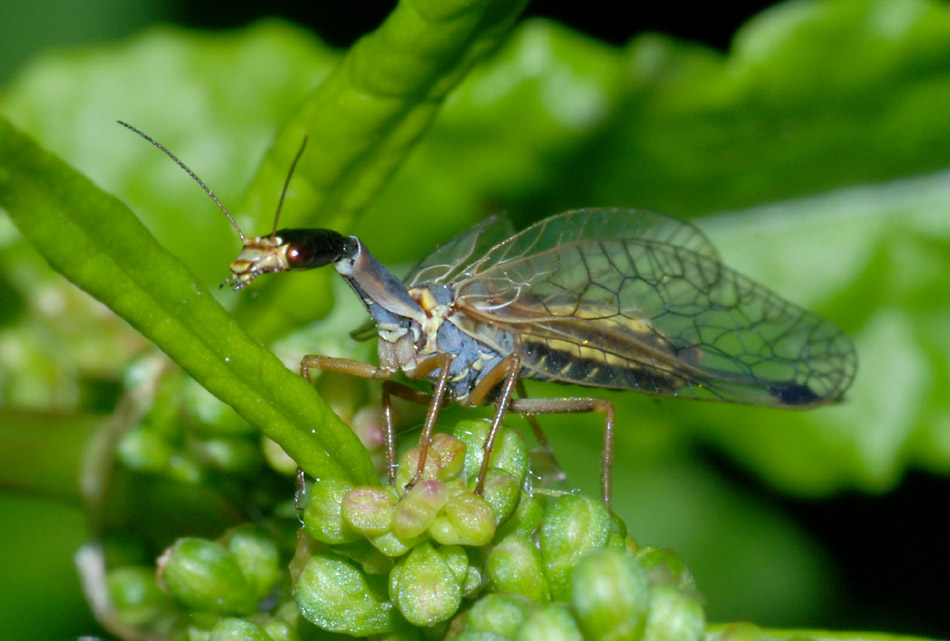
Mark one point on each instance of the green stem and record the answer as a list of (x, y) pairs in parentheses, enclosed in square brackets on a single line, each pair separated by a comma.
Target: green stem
[(363, 121)]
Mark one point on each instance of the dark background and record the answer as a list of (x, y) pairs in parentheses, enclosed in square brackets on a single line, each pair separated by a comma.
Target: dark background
[(340, 23)]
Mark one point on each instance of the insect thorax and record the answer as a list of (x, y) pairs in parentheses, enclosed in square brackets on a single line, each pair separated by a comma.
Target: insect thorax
[(439, 333)]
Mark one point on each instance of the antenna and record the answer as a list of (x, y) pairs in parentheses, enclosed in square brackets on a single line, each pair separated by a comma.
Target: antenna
[(201, 182), (283, 192)]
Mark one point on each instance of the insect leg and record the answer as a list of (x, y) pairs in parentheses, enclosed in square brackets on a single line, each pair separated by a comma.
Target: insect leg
[(543, 462), (441, 362), (574, 406), (342, 366), (391, 388), (507, 370), (360, 370)]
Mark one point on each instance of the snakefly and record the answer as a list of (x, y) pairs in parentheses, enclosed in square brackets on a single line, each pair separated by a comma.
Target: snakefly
[(612, 298)]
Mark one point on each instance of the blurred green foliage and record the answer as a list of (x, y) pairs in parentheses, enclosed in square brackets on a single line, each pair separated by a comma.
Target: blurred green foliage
[(825, 131)]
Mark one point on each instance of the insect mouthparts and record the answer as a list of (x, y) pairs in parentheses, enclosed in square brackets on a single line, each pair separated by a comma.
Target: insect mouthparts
[(260, 255)]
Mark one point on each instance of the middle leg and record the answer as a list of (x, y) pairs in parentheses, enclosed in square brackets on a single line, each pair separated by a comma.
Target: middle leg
[(504, 373)]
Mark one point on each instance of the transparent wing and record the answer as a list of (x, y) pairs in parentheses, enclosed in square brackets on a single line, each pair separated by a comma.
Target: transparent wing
[(629, 299), (448, 260)]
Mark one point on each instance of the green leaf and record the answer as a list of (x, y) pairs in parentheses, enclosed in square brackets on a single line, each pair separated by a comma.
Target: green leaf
[(96, 242), (374, 106)]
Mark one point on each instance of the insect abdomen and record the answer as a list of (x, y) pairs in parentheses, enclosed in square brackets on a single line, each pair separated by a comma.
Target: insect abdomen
[(570, 363)]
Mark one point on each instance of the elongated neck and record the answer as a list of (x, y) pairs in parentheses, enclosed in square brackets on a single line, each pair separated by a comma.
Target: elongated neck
[(376, 285)]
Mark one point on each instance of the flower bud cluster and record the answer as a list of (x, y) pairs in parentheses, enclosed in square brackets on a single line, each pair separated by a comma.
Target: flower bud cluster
[(209, 590), (510, 564), (436, 560), (227, 577), (187, 436)]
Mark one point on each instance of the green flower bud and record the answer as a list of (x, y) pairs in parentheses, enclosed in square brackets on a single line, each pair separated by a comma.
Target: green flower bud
[(480, 635), (500, 614), (424, 587), (509, 452), (256, 553), (674, 615), (474, 580), (616, 542), (664, 566), (617, 538), (203, 407), (552, 622), (323, 516), (502, 492), (416, 511), (277, 458), (404, 632), (525, 519), (515, 566), (468, 520), (742, 631), (451, 453), (229, 454), (466, 571), (573, 527), (335, 595), (445, 460), (195, 633), (363, 552), (144, 450), (473, 433), (368, 509), (138, 600), (280, 631), (611, 596), (457, 560), (204, 575), (237, 630), (184, 469), (394, 546)]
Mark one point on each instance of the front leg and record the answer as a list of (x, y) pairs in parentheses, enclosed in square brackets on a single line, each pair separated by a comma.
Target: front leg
[(360, 370), (391, 388), (442, 362), (343, 366)]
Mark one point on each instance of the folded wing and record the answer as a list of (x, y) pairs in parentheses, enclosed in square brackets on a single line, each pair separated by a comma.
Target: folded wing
[(630, 299)]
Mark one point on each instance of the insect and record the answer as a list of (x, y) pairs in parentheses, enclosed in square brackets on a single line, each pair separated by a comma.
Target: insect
[(611, 298)]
